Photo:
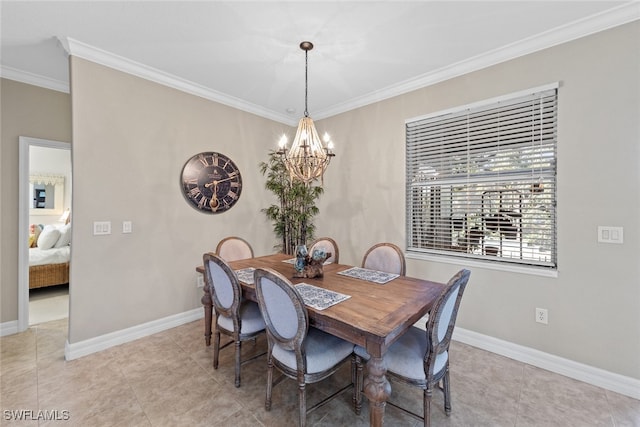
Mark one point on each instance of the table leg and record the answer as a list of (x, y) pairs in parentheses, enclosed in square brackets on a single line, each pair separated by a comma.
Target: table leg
[(208, 314), (377, 389)]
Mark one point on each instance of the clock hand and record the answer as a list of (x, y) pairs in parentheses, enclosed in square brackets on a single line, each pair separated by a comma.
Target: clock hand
[(209, 184)]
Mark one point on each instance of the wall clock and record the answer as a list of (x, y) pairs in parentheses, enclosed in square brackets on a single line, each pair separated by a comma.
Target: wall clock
[(211, 182)]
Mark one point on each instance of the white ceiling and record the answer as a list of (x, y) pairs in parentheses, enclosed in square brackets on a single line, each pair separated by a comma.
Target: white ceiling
[(246, 54)]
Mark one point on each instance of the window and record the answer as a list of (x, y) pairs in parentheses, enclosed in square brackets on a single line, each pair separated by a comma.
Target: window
[(481, 180)]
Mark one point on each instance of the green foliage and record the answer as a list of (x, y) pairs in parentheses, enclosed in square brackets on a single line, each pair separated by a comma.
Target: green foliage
[(293, 218)]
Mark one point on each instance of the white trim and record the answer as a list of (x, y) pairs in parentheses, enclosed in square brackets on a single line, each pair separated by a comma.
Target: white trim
[(469, 262), (598, 377), (611, 18), (25, 143), (103, 342), (487, 102), (108, 59), (33, 79), (8, 328)]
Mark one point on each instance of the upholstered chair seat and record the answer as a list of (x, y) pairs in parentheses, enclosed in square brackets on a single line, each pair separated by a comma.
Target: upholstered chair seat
[(252, 320), (324, 351), (406, 356)]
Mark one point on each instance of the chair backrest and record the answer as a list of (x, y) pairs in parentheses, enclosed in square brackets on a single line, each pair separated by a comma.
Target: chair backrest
[(385, 257), (282, 308), (234, 248), (329, 245), (223, 285), (442, 319)]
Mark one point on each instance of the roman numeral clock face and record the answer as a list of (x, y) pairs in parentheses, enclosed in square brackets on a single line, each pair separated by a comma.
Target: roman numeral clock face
[(211, 182)]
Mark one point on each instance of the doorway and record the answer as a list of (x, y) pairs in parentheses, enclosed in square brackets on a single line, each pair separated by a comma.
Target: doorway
[(52, 160)]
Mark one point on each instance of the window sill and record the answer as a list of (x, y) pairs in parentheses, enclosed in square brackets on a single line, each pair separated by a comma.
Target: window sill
[(534, 271)]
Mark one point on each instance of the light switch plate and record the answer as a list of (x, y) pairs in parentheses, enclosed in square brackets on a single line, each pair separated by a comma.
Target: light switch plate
[(608, 234), (101, 228)]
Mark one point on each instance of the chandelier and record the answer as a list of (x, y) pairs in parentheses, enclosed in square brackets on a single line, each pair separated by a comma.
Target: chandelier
[(308, 157)]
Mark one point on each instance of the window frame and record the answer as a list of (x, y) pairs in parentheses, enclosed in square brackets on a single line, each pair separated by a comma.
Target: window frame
[(434, 253)]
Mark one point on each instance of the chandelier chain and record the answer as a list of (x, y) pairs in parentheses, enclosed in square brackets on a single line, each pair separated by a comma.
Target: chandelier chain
[(306, 82)]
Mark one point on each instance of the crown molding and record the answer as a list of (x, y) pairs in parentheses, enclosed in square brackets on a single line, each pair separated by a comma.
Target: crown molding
[(82, 50), (33, 79), (609, 19)]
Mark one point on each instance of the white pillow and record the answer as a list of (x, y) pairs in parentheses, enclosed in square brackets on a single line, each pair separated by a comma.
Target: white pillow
[(65, 236), (48, 237)]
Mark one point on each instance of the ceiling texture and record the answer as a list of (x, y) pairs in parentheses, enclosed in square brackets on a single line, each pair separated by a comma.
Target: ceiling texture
[(247, 55)]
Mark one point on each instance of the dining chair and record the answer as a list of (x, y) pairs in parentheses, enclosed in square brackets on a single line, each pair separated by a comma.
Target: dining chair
[(421, 358), (234, 248), (329, 245), (385, 257), (235, 316), (298, 351)]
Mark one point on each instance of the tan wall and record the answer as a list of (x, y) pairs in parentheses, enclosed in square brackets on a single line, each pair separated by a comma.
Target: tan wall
[(594, 303), (26, 111), (131, 139)]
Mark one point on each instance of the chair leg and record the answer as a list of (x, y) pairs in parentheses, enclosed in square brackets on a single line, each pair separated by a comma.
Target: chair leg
[(358, 385), (447, 392), (354, 382), (302, 402), (267, 400), (216, 348), (238, 348), (428, 392)]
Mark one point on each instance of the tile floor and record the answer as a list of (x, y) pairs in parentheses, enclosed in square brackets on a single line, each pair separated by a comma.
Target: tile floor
[(49, 303), (167, 380)]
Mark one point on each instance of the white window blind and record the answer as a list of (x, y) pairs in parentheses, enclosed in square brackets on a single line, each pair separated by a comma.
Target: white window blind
[(481, 181)]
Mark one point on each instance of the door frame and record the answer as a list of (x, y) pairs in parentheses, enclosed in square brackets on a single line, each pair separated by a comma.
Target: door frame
[(25, 143)]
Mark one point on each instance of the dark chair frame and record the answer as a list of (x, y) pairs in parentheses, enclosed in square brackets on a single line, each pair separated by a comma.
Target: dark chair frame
[(233, 312), (296, 344)]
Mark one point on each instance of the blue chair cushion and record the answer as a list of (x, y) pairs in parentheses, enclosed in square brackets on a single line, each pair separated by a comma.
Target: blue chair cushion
[(252, 320), (405, 357), (323, 351)]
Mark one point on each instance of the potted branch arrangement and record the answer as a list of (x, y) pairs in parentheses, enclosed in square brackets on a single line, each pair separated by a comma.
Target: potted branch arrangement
[(293, 217)]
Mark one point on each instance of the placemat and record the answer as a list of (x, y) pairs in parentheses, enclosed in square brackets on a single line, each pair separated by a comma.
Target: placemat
[(245, 275), (319, 298), (374, 276)]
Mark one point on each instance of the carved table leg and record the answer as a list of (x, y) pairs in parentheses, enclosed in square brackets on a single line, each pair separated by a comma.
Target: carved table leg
[(208, 312), (377, 389)]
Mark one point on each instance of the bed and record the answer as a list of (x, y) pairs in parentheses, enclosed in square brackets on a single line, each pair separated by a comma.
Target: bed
[(49, 260)]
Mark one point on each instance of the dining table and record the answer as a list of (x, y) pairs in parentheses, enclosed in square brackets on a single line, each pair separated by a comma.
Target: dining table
[(375, 310)]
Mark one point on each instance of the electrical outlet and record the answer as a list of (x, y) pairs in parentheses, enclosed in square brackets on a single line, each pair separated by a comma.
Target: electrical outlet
[(200, 281), (542, 315)]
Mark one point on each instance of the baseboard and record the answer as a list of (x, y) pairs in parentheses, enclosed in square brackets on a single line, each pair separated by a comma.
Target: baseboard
[(103, 342), (8, 328), (578, 371), (608, 380)]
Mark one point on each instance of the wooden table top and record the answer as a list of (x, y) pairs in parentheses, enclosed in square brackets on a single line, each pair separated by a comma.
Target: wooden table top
[(375, 315)]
